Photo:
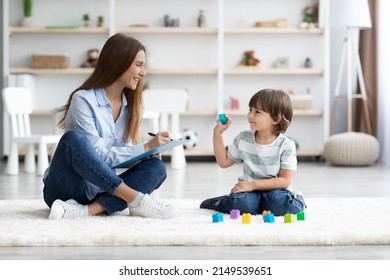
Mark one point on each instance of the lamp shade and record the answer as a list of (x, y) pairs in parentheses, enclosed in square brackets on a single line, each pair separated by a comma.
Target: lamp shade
[(351, 13)]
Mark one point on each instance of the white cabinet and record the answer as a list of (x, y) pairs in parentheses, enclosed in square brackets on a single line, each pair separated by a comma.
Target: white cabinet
[(202, 60)]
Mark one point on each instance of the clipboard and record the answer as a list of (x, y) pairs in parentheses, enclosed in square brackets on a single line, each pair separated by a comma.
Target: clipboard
[(156, 150)]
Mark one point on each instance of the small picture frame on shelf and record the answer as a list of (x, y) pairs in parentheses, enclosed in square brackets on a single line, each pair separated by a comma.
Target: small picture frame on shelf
[(281, 62)]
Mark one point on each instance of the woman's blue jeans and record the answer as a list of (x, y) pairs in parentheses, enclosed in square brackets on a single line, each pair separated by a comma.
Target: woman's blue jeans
[(75, 162), (279, 202)]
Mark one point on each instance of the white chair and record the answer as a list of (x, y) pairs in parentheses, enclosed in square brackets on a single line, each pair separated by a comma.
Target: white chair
[(169, 103), (154, 118), (18, 104)]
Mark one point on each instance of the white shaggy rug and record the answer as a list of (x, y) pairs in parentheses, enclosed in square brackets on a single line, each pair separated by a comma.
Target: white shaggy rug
[(329, 221)]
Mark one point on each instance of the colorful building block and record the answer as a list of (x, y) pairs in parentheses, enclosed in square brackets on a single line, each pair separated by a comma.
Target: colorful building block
[(222, 118), (234, 214), (269, 218), (217, 218), (288, 218), (301, 216), (246, 218), (265, 212)]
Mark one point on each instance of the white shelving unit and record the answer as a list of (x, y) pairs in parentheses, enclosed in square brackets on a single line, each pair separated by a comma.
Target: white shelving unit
[(202, 60), (310, 126)]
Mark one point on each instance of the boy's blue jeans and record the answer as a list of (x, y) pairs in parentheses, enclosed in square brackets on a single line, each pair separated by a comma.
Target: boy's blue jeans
[(279, 202), (75, 162)]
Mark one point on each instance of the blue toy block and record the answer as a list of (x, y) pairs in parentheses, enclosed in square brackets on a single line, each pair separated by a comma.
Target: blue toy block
[(234, 214), (217, 218), (269, 218), (222, 118)]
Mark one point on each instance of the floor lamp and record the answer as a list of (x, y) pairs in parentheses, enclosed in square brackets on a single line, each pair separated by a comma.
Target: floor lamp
[(354, 15)]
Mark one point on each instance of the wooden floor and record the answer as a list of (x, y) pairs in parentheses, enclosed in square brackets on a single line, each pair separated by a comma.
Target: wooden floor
[(204, 179)]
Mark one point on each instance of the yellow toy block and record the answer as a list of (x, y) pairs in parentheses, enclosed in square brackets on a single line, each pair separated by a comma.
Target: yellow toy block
[(288, 218), (246, 218)]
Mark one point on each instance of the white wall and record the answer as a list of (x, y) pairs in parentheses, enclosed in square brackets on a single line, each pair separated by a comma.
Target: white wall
[(1, 79), (337, 36), (383, 80)]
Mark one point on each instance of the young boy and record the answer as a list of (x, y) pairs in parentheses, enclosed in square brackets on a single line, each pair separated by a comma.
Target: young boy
[(269, 159)]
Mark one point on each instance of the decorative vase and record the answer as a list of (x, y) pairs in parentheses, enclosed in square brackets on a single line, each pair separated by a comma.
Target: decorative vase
[(308, 63), (28, 20), (201, 19), (100, 21), (86, 20)]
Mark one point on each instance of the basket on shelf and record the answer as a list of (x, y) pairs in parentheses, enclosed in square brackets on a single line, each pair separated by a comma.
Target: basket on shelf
[(301, 101), (50, 61)]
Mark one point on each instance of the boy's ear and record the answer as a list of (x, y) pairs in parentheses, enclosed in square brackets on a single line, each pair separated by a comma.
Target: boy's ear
[(278, 119)]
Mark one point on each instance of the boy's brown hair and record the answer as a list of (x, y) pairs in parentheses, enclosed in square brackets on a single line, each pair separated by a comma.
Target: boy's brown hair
[(277, 103)]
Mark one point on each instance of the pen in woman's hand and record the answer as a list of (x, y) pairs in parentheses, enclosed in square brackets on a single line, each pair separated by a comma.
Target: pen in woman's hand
[(154, 134)]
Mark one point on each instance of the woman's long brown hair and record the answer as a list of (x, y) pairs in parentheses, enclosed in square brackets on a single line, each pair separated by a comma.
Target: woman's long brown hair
[(117, 54)]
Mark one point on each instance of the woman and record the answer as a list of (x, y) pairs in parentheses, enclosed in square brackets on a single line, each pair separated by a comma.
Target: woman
[(101, 120)]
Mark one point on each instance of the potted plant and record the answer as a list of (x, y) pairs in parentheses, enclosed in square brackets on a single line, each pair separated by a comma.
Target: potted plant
[(27, 11), (86, 20), (100, 21)]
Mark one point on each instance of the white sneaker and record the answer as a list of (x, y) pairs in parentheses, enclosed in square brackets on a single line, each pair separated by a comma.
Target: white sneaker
[(298, 195), (149, 207), (67, 210), (295, 193)]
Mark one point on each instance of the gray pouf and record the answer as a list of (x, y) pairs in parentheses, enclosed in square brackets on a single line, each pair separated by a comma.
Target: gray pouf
[(351, 149)]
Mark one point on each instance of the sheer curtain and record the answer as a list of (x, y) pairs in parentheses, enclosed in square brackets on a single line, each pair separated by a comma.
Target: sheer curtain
[(383, 44)]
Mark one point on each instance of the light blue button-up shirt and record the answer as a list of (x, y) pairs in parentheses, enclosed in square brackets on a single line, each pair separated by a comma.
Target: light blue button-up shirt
[(90, 113)]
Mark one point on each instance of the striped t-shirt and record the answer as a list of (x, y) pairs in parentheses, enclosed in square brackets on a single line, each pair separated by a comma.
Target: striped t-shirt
[(262, 161)]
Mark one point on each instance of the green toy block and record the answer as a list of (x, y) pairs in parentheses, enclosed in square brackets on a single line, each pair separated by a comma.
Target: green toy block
[(288, 218), (301, 216)]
